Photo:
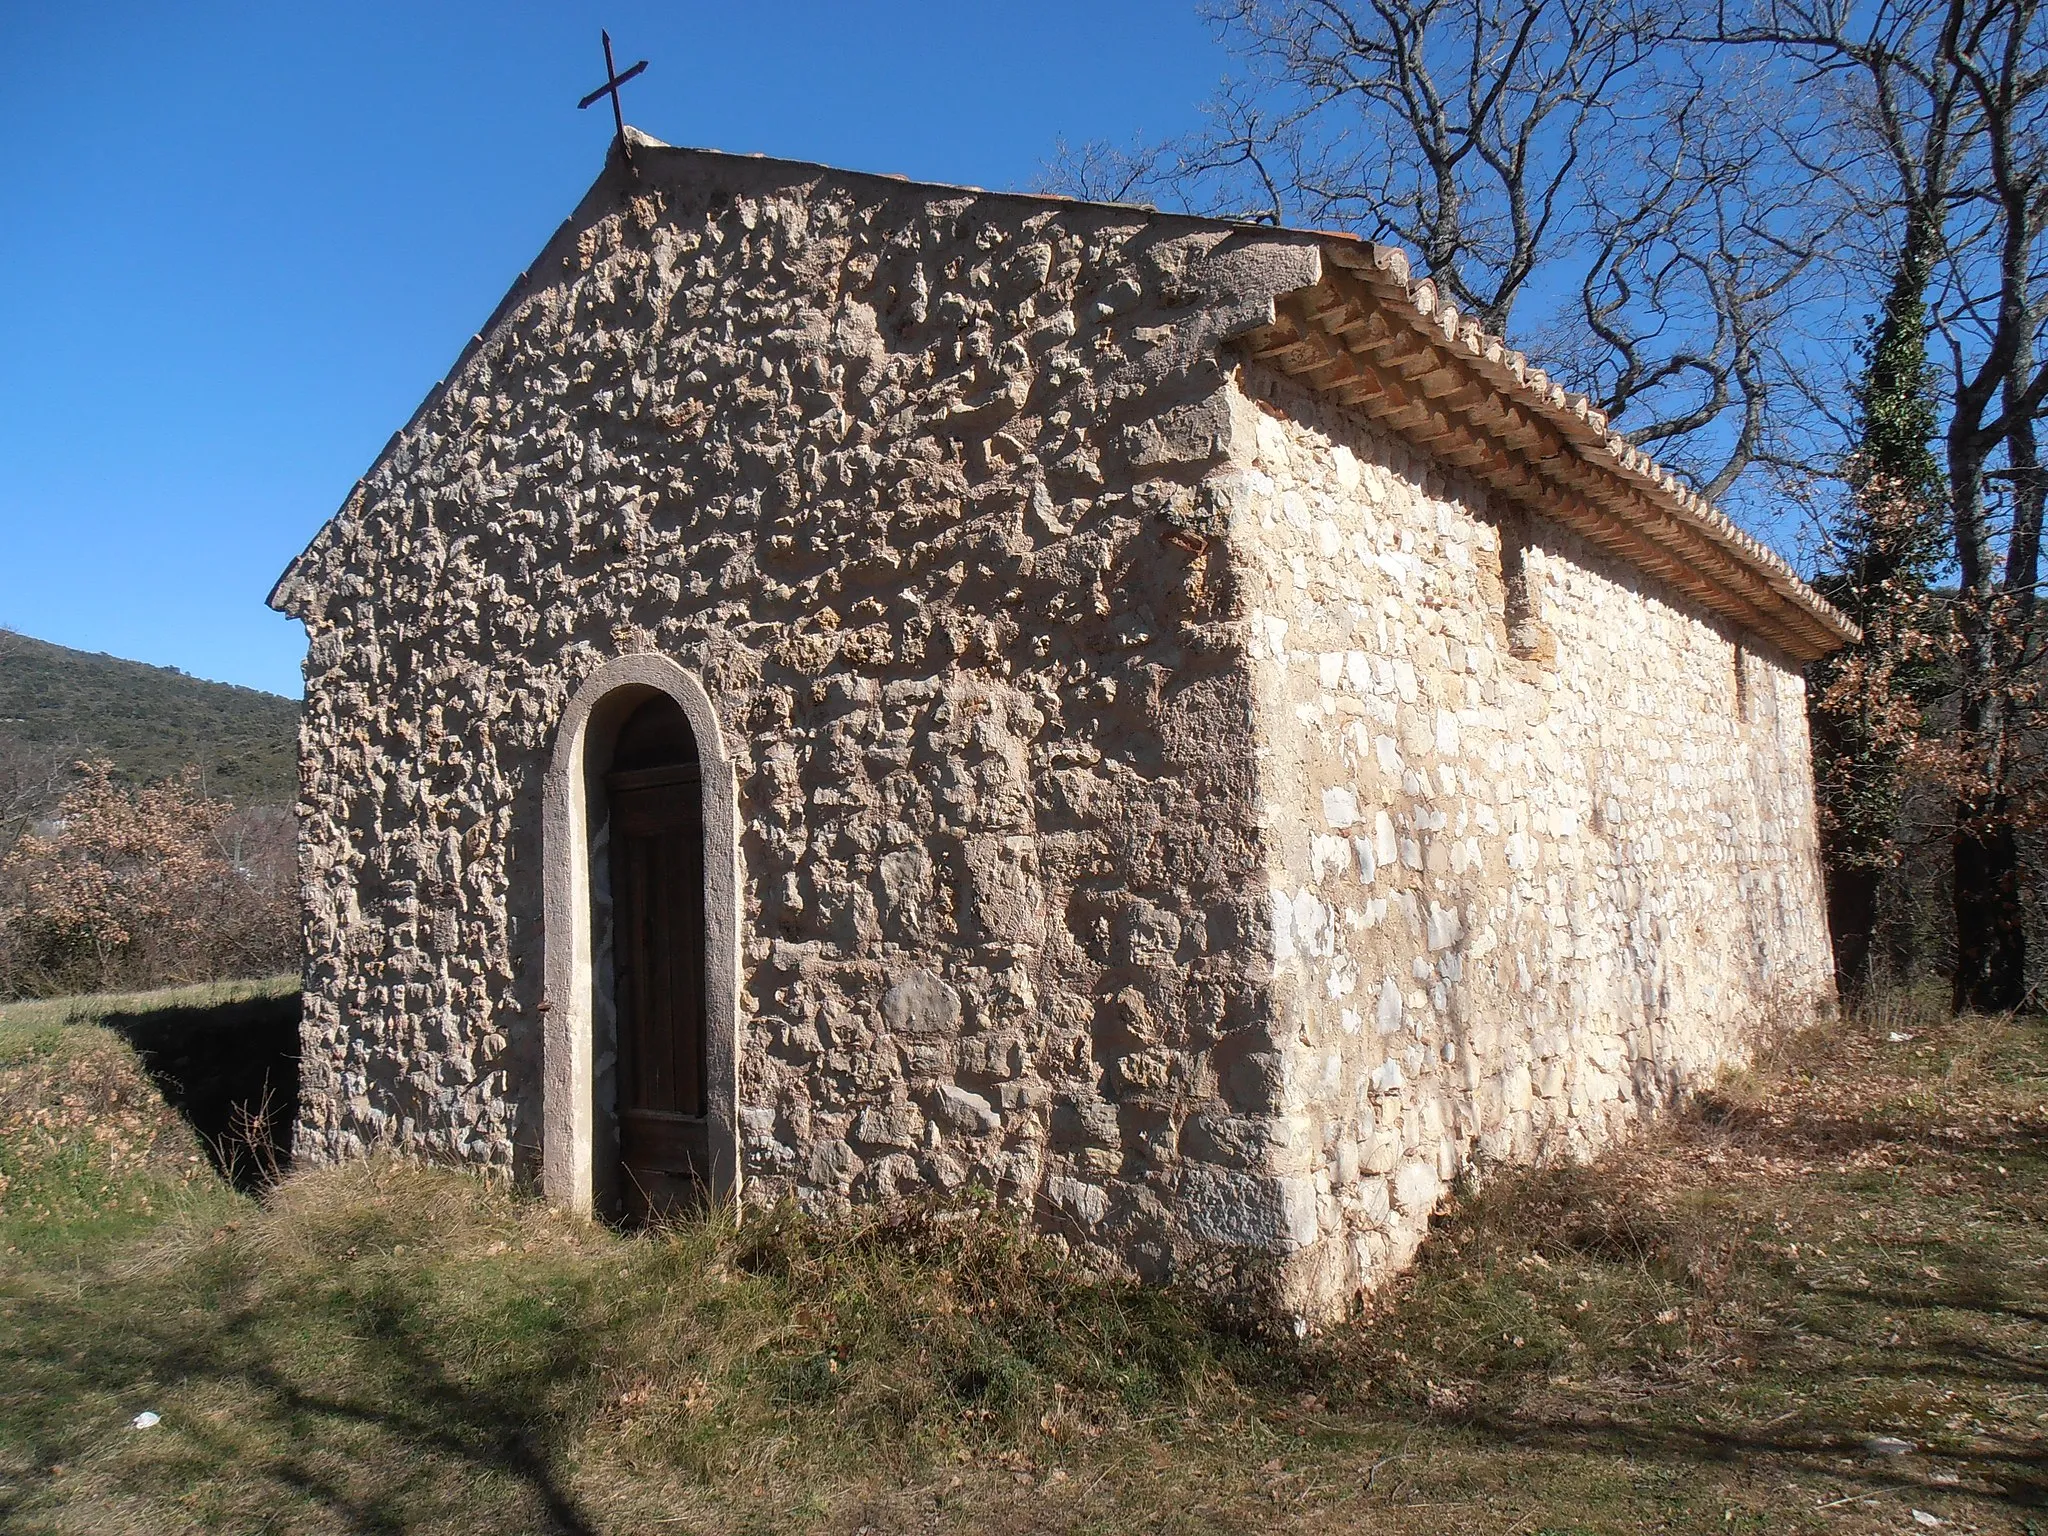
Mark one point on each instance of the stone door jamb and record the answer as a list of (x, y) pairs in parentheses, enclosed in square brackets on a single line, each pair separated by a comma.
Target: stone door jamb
[(595, 712)]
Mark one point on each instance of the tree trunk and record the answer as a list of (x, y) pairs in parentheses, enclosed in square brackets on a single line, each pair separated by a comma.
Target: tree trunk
[(1991, 933), (1852, 923), (1991, 936)]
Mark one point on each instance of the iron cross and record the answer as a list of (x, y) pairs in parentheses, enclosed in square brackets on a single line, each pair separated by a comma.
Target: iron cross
[(612, 81)]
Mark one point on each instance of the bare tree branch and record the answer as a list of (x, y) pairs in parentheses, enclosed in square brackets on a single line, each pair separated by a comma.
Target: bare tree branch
[(1646, 218)]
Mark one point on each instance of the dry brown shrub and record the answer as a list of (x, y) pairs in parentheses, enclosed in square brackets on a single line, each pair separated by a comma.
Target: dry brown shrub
[(129, 888)]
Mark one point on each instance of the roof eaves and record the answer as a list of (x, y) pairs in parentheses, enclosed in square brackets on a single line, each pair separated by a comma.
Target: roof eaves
[(1408, 357)]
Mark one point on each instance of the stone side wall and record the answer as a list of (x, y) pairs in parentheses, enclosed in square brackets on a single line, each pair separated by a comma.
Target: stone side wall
[(915, 483), (1517, 899)]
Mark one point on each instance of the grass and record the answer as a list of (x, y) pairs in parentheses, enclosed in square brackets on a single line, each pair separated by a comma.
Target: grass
[(1710, 1330), (44, 1018), (222, 1055)]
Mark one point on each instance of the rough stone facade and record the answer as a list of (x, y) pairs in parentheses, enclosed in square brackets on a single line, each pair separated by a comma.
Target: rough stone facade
[(1153, 804)]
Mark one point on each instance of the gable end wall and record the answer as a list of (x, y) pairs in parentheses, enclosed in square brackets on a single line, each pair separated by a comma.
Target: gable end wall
[(910, 481)]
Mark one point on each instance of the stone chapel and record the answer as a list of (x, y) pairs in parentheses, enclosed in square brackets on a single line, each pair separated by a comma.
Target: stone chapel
[(853, 687)]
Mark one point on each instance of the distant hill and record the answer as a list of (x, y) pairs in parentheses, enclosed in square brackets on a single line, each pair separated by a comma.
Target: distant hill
[(151, 721)]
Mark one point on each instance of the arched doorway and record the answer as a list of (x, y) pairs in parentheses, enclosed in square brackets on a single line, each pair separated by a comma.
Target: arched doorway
[(640, 1008), (656, 858)]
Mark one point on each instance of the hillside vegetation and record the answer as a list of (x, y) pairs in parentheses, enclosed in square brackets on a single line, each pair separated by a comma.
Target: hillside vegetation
[(1814, 1305), (151, 722)]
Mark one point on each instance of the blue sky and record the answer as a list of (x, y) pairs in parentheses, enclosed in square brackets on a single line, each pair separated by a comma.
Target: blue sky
[(239, 243)]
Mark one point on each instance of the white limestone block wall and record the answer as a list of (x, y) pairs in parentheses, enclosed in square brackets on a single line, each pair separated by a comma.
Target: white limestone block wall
[(1516, 899)]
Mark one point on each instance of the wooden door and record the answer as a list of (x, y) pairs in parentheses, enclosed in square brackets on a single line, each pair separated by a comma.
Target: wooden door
[(657, 879)]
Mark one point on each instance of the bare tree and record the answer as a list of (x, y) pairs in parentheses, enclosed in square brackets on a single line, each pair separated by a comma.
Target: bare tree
[(33, 777), (1706, 307), (1947, 99), (1880, 76), (1994, 334), (1639, 213)]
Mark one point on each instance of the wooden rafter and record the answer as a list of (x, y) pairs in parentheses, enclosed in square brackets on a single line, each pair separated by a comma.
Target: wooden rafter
[(1369, 340)]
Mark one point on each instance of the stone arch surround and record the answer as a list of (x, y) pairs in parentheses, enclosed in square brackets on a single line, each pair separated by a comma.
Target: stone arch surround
[(583, 740)]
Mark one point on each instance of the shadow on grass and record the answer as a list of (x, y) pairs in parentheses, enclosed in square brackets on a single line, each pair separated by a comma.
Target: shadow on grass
[(425, 1414), (232, 1072), (1974, 1335), (429, 1444), (2011, 1466)]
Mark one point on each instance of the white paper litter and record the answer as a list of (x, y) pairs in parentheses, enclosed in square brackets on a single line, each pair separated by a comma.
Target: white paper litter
[(1900, 1037), (145, 1420), (1921, 1517)]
